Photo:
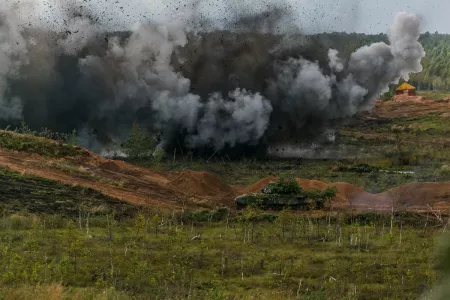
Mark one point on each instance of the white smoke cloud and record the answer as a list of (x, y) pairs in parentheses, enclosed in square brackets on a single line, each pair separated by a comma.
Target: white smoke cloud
[(243, 118), (336, 63), (369, 72), (376, 66), (305, 85), (403, 36)]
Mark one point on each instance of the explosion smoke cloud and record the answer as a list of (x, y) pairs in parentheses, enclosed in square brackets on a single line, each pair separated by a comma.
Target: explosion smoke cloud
[(212, 90)]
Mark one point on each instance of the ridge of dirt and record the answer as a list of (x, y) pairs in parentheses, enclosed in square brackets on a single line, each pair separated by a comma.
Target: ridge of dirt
[(190, 189), (123, 181), (413, 197)]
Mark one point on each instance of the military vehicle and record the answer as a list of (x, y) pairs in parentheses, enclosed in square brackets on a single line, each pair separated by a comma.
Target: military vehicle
[(293, 197)]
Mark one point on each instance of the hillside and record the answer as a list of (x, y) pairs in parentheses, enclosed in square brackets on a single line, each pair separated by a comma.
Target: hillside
[(166, 190), (72, 226)]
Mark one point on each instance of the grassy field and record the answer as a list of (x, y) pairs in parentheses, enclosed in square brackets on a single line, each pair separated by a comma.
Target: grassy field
[(30, 194), (435, 95), (64, 242), (217, 256), (37, 145)]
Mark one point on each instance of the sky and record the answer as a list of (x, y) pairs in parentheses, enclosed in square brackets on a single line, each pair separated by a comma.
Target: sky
[(312, 16)]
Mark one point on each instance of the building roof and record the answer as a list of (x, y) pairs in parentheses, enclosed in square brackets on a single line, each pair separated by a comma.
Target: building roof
[(405, 86)]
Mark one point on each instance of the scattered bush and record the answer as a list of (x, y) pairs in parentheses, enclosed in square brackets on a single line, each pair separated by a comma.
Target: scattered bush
[(37, 145), (140, 144), (66, 138), (445, 169), (287, 186), (158, 154)]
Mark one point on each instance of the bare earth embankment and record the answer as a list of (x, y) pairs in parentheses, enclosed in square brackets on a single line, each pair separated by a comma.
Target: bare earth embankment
[(190, 189), (145, 187)]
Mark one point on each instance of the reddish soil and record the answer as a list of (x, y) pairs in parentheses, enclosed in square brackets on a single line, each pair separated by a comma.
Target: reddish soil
[(413, 197), (149, 188), (408, 106), (146, 187), (193, 189)]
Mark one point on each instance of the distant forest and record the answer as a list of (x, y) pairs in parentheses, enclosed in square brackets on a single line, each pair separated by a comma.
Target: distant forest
[(436, 64)]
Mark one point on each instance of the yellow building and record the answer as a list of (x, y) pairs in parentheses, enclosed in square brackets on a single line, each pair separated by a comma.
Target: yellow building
[(406, 89)]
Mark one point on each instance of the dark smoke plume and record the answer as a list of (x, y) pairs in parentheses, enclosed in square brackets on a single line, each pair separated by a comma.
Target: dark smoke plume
[(198, 89)]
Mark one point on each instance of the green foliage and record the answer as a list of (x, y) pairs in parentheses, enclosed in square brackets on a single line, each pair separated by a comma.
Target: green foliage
[(67, 138), (73, 139), (285, 186), (140, 144), (329, 192), (205, 215), (242, 258), (252, 214), (326, 194), (30, 194), (442, 290), (37, 145), (44, 142), (159, 154), (435, 74)]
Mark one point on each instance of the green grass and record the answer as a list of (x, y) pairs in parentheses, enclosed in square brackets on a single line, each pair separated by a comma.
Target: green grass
[(245, 172), (37, 145), (30, 194), (435, 95), (295, 257), (64, 242)]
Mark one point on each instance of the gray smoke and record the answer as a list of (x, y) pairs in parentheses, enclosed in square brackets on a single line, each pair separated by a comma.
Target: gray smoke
[(209, 90), (336, 63), (141, 74), (240, 119), (304, 88), (13, 54)]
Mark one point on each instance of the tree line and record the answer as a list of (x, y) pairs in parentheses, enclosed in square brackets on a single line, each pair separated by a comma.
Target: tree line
[(436, 64)]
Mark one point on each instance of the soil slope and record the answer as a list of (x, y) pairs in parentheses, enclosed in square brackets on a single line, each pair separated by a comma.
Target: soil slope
[(189, 189), (146, 187), (124, 181)]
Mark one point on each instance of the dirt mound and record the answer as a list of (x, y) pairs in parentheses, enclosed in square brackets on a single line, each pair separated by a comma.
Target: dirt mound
[(418, 195), (403, 98), (200, 184), (110, 166), (258, 186), (345, 191), (146, 187), (308, 184)]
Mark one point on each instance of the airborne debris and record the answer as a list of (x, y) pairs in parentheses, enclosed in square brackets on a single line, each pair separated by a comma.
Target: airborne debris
[(252, 83)]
